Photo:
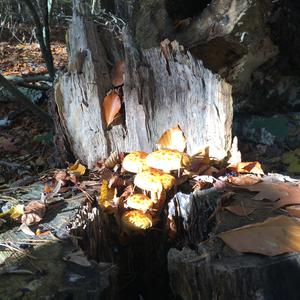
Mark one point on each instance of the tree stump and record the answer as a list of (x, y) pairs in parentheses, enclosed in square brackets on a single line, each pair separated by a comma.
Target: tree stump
[(212, 270), (162, 88)]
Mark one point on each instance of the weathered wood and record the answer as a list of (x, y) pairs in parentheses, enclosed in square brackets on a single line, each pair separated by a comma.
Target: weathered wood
[(159, 92), (214, 271)]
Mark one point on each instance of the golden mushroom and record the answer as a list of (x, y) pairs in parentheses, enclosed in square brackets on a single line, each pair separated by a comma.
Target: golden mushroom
[(168, 160), (136, 220), (140, 202), (154, 181), (135, 162)]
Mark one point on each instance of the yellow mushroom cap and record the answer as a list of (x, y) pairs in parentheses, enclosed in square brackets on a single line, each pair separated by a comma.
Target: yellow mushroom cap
[(139, 201), (135, 161), (154, 180), (168, 160), (136, 219)]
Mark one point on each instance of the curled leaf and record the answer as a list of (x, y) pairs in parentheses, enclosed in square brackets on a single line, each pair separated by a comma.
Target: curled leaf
[(77, 168), (173, 139), (107, 194), (34, 212), (250, 167), (111, 106)]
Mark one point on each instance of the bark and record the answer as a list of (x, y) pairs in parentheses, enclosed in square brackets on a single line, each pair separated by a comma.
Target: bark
[(214, 271), (43, 39), (160, 91)]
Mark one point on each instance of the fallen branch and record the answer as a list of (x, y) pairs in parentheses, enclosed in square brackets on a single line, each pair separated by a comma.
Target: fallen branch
[(24, 100), (32, 86)]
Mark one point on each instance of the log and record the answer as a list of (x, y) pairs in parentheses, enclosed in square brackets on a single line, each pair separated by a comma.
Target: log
[(160, 91)]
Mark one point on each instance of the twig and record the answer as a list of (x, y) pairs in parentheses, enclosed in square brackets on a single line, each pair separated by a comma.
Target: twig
[(12, 248)]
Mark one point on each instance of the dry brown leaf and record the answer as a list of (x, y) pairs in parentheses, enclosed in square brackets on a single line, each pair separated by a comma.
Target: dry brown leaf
[(274, 236), (173, 139), (267, 190), (34, 212), (114, 159), (291, 197), (244, 180), (250, 167), (60, 175), (117, 73), (240, 210), (294, 210), (111, 106)]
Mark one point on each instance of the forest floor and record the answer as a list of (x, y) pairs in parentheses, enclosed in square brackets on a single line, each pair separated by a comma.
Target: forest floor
[(27, 158)]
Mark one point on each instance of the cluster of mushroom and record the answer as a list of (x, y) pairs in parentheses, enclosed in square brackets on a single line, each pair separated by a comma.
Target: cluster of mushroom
[(154, 179)]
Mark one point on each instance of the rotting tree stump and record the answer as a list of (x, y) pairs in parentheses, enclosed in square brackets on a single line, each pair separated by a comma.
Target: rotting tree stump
[(161, 89)]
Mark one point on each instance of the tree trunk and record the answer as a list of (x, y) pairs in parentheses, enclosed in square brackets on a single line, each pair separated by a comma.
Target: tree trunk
[(162, 88)]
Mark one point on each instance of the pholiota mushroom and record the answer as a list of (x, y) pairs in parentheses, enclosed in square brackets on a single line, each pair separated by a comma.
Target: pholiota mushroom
[(136, 219), (140, 202), (154, 181), (168, 160), (135, 161)]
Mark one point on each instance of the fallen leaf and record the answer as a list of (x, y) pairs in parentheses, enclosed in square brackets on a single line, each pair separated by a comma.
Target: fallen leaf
[(38, 232), (8, 144), (17, 211), (114, 159), (34, 212), (244, 180), (250, 167), (173, 139), (267, 190), (293, 210), (117, 73), (240, 210), (111, 106), (47, 189), (274, 236), (60, 175), (25, 229), (107, 194), (78, 258), (77, 168), (291, 197)]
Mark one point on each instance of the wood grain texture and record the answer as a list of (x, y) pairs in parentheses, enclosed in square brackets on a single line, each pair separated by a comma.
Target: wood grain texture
[(159, 92)]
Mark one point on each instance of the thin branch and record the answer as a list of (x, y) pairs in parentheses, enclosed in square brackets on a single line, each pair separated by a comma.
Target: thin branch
[(44, 43)]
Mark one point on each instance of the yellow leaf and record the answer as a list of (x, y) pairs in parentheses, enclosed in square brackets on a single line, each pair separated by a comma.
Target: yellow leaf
[(14, 212), (107, 194), (77, 168), (17, 211)]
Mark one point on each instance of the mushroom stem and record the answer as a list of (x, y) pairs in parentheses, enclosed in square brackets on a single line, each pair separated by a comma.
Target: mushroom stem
[(154, 197)]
